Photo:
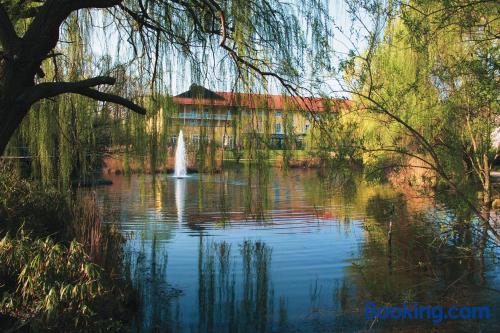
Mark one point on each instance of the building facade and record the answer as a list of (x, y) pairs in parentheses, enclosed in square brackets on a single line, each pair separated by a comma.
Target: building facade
[(241, 119)]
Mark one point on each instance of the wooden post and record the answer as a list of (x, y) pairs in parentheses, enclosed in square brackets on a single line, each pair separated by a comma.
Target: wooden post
[(389, 247)]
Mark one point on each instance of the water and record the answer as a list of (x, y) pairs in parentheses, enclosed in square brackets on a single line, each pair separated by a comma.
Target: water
[(180, 157), (258, 250)]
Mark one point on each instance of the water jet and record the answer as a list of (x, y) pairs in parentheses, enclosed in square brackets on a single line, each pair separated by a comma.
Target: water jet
[(180, 157)]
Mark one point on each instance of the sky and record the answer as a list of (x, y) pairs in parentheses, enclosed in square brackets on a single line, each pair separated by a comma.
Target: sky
[(177, 74)]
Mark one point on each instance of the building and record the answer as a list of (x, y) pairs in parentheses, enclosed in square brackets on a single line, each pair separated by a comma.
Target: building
[(238, 119)]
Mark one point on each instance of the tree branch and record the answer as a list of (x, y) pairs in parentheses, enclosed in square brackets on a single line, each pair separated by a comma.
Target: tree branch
[(84, 88), (42, 34), (8, 36), (52, 89), (106, 97)]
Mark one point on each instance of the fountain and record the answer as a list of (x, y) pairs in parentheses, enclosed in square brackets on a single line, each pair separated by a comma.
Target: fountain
[(180, 157)]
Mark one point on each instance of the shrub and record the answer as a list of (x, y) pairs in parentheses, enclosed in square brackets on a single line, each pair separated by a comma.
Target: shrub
[(57, 287), (377, 168), (58, 262), (24, 203)]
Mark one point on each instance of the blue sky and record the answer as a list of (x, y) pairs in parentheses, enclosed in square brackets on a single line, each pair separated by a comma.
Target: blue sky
[(177, 74)]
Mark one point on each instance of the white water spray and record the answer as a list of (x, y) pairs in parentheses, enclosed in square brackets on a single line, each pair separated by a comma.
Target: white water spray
[(180, 157)]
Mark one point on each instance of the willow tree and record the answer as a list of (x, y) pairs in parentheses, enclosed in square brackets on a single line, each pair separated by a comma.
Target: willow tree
[(427, 80), (266, 38)]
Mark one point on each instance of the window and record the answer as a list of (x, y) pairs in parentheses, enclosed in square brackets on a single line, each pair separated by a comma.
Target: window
[(306, 127), (228, 141), (278, 128), (299, 144), (277, 113), (195, 138)]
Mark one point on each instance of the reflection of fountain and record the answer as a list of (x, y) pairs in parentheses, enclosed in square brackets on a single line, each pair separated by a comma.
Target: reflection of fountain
[(180, 157), (180, 198)]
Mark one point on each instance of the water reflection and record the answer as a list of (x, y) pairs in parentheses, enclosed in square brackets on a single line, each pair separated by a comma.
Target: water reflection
[(180, 198), (254, 250), (235, 293), (226, 305)]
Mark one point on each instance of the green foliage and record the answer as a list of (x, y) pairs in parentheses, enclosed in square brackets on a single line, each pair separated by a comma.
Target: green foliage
[(26, 204), (57, 261), (335, 137), (425, 87), (57, 287), (377, 168)]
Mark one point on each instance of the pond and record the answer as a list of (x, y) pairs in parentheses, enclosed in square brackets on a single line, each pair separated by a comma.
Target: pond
[(257, 249)]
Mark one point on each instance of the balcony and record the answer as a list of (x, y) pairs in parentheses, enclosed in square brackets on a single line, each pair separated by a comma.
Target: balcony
[(204, 116)]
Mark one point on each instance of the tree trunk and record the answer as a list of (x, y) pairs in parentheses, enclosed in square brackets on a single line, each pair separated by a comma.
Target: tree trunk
[(16, 76), (10, 119)]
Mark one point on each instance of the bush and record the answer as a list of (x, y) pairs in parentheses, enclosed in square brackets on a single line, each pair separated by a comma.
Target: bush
[(378, 168), (57, 287), (58, 262), (25, 204)]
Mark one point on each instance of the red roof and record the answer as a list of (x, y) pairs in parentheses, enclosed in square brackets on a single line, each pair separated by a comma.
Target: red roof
[(271, 102)]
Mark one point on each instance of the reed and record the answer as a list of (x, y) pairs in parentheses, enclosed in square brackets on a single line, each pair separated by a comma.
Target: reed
[(103, 242)]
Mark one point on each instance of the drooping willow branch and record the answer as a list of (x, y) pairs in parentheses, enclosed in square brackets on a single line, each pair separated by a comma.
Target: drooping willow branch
[(251, 32)]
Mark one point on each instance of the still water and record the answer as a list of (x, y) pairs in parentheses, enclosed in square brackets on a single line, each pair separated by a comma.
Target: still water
[(263, 250)]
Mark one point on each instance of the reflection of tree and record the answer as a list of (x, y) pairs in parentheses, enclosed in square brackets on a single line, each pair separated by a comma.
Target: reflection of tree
[(432, 262), (435, 256), (256, 194), (383, 208), (224, 304), (342, 194), (222, 204), (343, 181), (146, 268), (130, 197)]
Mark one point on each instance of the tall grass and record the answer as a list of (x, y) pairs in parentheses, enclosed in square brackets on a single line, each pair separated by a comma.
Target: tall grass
[(102, 242)]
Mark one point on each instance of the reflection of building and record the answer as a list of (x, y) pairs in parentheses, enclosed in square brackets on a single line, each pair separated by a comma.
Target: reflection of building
[(232, 119)]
